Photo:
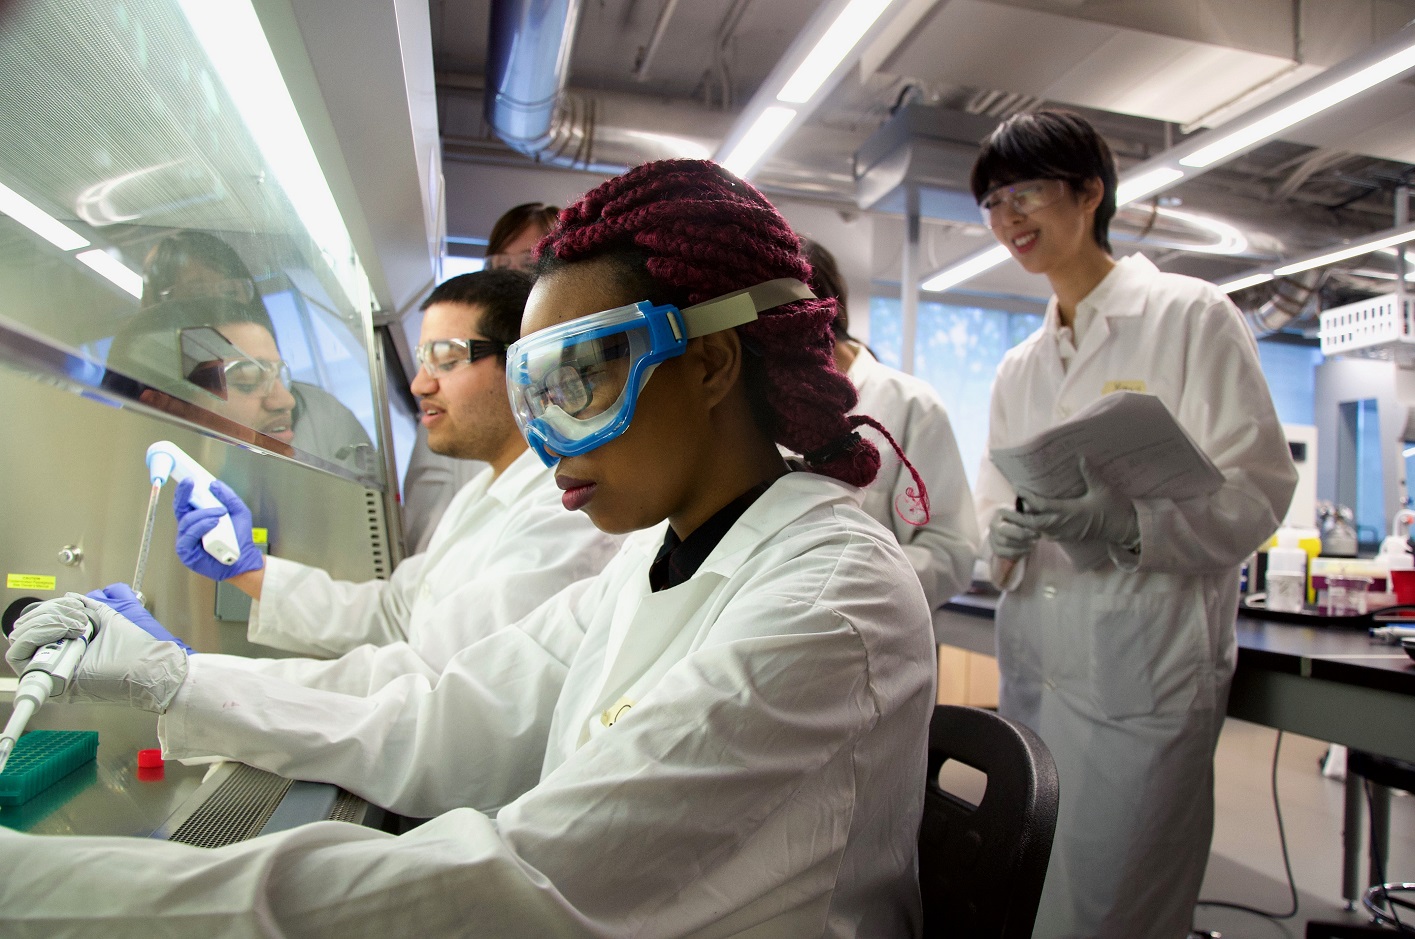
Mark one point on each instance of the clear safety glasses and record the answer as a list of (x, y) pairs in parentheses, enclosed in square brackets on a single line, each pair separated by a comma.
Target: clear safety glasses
[(1022, 198), (212, 362), (574, 387), (440, 356)]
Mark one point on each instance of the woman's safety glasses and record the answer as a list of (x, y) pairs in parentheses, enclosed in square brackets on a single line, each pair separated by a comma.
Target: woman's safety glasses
[(574, 387), (1022, 198), (440, 356)]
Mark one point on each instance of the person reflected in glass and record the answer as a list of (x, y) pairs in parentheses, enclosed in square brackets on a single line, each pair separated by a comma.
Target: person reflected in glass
[(196, 265), (517, 232), (212, 352), (191, 264)]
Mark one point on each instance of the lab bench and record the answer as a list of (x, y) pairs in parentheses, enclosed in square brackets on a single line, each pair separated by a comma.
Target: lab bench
[(207, 805), (1327, 681)]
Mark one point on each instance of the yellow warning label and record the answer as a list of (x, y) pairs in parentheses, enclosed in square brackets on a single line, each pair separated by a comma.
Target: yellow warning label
[(29, 582), (1124, 384), (259, 535)]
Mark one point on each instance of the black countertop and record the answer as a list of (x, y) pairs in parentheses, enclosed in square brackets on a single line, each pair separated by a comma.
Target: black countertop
[(1325, 649)]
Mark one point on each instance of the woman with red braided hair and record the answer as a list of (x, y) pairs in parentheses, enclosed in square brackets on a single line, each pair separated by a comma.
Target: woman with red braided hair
[(723, 734)]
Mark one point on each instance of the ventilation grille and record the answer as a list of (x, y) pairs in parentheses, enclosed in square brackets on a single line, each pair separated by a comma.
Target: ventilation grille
[(237, 810), (377, 534), (348, 808)]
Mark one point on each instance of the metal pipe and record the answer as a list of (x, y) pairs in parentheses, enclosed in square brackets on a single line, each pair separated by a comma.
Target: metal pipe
[(1402, 217), (527, 66), (641, 69), (909, 283)]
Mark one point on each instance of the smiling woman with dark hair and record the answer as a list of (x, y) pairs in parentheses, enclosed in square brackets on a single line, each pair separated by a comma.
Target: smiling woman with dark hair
[(1122, 667)]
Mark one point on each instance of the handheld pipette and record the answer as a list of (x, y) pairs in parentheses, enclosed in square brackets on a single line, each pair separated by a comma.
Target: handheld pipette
[(165, 459), (48, 673)]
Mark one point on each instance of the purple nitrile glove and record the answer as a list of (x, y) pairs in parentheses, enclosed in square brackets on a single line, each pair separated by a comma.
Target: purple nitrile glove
[(121, 598), (193, 523)]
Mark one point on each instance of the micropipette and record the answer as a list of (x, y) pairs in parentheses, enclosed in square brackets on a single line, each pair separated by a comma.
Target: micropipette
[(146, 542), (165, 459), (47, 673)]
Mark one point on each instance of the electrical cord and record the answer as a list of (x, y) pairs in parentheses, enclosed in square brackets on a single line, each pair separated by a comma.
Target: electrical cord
[(1286, 861)]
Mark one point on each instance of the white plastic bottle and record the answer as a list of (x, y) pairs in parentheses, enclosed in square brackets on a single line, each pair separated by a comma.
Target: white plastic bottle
[(1287, 573)]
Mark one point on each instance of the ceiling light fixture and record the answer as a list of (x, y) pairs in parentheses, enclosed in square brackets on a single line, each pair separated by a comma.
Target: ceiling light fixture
[(1375, 242), (1384, 239), (1228, 239), (1132, 187), (231, 36), (966, 269), (1251, 280), (40, 222), (768, 126), (826, 48), (831, 50), (1315, 102), (115, 271)]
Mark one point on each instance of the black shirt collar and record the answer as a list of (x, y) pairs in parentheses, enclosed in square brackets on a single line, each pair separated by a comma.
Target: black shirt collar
[(679, 559)]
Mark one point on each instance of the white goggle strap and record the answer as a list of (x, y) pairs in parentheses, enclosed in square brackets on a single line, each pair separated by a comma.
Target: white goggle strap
[(742, 306)]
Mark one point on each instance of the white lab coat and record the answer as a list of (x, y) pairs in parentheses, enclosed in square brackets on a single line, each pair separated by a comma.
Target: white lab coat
[(502, 548), (740, 755), (430, 483), (941, 551), (1125, 672)]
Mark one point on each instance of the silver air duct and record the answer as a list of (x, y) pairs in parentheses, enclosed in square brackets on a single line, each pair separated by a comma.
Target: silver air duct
[(1290, 301), (528, 64)]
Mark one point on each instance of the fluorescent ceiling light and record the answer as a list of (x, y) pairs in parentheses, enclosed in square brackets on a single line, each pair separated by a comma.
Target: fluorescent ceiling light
[(847, 30), (769, 125), (679, 146), (1252, 280), (1229, 239), (1304, 108), (231, 36), (125, 278), (966, 269), (38, 221), (1131, 189), (1341, 254)]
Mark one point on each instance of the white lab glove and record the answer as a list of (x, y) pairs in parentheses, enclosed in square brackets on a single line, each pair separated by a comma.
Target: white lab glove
[(1011, 535), (1102, 513), (45, 622), (123, 664)]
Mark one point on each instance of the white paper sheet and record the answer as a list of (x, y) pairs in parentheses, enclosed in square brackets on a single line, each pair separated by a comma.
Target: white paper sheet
[(1129, 440)]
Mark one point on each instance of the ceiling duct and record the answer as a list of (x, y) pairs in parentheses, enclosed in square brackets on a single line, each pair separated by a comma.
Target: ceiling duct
[(927, 148), (527, 66), (1289, 300)]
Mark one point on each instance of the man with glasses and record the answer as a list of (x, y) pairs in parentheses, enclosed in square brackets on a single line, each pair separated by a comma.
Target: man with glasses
[(504, 545)]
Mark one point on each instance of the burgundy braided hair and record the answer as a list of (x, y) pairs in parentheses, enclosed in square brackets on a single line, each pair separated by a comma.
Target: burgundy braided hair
[(699, 232)]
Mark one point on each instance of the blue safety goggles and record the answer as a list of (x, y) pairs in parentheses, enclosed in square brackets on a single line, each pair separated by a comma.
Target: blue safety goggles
[(574, 387)]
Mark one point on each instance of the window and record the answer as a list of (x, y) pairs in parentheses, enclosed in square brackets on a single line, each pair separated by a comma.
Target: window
[(957, 350), (1291, 371)]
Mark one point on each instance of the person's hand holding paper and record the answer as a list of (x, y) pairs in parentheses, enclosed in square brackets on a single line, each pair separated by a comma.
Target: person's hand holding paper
[(1132, 441), (1102, 513)]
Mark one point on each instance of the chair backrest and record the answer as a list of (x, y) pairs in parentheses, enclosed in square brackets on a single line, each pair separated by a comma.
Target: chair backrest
[(981, 867)]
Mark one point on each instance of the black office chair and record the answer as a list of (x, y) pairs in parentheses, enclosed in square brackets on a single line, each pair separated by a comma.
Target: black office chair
[(981, 867)]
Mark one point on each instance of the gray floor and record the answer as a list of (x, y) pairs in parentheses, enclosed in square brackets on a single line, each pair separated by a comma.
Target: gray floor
[(1245, 865)]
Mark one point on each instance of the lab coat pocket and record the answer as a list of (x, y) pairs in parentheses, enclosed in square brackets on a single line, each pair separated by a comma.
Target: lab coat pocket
[(1141, 659)]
